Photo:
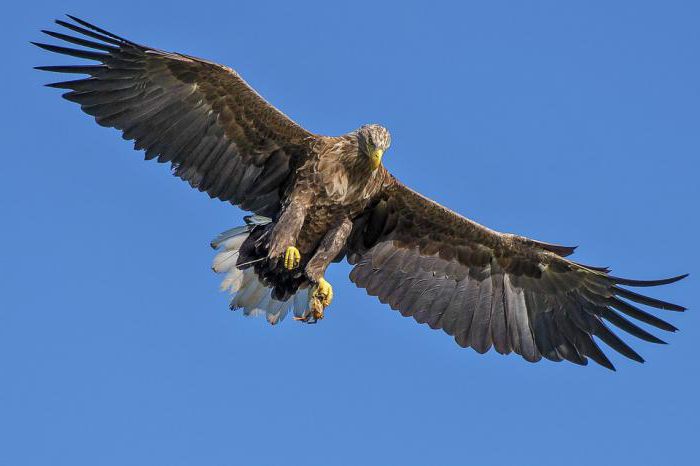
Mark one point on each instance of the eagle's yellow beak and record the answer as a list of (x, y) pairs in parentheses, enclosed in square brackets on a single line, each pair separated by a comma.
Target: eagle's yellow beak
[(376, 158)]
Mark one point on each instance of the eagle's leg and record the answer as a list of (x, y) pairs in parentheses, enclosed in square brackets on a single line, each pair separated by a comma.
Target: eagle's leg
[(321, 293), (285, 233)]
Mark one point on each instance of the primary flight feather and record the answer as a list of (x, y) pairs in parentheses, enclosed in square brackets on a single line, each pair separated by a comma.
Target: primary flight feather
[(318, 199)]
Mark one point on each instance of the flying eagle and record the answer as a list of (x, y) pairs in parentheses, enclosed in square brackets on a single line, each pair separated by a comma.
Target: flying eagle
[(318, 199)]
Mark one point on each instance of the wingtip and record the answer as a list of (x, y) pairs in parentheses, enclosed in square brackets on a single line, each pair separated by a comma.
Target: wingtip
[(646, 300), (82, 22), (609, 366), (56, 85), (53, 34), (601, 359), (672, 307), (645, 283), (656, 340), (41, 45), (677, 278), (40, 68)]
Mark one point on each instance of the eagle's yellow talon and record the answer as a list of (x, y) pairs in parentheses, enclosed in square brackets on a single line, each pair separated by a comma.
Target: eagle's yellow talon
[(321, 298), (292, 257), (324, 292)]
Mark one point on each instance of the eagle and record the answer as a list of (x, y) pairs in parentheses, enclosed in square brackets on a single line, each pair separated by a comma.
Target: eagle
[(315, 200)]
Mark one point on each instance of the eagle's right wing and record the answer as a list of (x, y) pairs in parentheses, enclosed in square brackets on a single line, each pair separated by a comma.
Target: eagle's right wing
[(216, 131)]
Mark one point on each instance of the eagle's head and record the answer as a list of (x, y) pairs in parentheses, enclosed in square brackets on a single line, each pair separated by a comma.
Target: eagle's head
[(373, 141)]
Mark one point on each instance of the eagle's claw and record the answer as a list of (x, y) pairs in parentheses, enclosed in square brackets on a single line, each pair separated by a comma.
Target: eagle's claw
[(292, 257), (320, 298), (323, 293)]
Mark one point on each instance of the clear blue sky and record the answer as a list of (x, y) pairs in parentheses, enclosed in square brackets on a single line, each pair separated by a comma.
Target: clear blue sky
[(571, 122)]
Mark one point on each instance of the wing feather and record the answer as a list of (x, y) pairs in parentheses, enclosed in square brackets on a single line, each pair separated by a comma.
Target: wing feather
[(217, 133), (489, 289)]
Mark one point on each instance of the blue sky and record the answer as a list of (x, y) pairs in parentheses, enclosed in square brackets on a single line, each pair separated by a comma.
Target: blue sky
[(570, 122)]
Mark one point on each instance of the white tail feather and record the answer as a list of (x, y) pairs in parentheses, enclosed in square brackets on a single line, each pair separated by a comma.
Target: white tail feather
[(225, 261), (233, 244), (233, 281), (301, 303), (248, 292), (277, 311)]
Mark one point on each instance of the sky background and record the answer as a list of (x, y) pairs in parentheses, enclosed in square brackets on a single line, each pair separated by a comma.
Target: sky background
[(569, 122)]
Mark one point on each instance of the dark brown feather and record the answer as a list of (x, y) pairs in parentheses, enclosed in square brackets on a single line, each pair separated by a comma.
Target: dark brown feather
[(505, 291), (215, 130)]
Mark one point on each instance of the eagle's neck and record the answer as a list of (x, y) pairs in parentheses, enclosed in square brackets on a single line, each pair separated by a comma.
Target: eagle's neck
[(361, 175), (347, 174)]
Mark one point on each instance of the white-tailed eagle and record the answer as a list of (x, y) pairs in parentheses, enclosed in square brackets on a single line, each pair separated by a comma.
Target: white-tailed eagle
[(317, 199)]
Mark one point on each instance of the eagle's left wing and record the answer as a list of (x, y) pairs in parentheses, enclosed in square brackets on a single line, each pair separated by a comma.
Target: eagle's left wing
[(492, 289)]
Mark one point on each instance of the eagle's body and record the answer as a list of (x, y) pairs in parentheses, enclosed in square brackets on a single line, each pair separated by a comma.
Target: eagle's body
[(318, 199), (347, 186), (328, 191)]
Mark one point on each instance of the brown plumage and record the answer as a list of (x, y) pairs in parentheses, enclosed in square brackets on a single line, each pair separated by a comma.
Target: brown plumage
[(318, 199)]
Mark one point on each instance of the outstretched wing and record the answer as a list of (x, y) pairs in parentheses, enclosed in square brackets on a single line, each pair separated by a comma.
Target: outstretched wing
[(215, 130), (492, 289)]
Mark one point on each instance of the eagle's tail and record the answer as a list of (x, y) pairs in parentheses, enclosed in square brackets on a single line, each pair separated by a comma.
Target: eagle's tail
[(242, 281)]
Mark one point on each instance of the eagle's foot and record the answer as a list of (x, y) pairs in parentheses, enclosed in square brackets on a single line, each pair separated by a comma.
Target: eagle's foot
[(323, 293), (320, 298), (292, 257)]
